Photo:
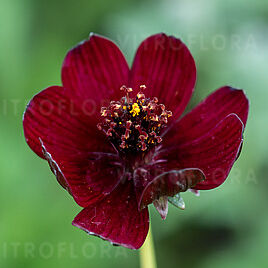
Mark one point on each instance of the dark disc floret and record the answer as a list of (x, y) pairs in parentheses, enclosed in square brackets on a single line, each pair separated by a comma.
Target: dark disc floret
[(134, 124)]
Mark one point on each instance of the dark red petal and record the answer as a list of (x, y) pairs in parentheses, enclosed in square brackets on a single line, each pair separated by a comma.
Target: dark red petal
[(116, 218), (62, 126), (68, 137), (150, 186), (79, 190), (100, 172), (93, 73), (214, 153), (208, 114), (55, 168), (165, 65)]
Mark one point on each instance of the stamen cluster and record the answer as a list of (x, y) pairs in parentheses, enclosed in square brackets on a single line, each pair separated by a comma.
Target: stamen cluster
[(134, 124)]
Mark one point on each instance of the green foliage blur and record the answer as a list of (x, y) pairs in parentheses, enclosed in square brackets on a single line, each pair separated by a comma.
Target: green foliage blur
[(225, 227)]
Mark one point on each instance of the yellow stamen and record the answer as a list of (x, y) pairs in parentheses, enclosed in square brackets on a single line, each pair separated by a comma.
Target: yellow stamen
[(135, 109), (117, 106), (140, 95), (104, 113)]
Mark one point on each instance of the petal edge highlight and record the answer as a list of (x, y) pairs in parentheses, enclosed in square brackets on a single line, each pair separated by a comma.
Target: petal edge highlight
[(214, 153), (116, 219)]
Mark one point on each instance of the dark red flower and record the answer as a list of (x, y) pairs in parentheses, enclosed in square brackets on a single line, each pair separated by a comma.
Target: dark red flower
[(114, 138)]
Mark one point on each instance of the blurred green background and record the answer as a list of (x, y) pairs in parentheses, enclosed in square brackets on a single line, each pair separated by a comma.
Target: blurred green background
[(226, 227)]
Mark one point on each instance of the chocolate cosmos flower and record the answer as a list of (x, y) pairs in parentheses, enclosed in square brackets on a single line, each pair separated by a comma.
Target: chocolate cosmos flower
[(114, 138)]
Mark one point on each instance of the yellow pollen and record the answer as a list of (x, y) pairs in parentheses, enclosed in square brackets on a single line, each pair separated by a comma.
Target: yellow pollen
[(135, 109), (104, 113), (134, 123), (140, 95)]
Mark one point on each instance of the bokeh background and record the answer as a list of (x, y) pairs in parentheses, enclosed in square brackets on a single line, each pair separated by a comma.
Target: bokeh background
[(226, 227)]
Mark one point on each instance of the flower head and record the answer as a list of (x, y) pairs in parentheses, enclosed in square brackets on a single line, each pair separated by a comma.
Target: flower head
[(134, 125), (115, 139)]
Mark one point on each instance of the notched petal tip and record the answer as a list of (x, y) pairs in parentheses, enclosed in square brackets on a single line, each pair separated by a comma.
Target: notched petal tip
[(98, 36), (91, 34), (162, 59), (89, 65), (238, 90)]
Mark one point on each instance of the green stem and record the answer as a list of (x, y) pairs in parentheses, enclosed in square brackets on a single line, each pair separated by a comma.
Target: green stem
[(147, 255)]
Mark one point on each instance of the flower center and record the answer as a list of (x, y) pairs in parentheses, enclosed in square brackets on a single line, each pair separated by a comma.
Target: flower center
[(134, 124)]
